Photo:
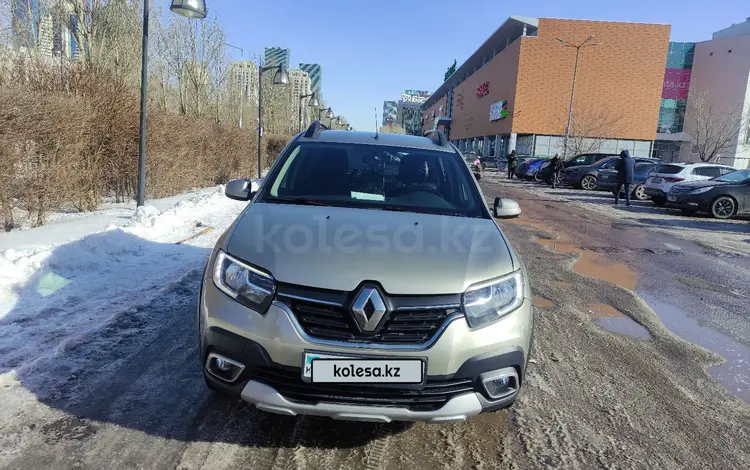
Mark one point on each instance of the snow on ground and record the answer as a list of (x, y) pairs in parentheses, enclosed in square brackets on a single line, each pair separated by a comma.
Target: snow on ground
[(60, 282)]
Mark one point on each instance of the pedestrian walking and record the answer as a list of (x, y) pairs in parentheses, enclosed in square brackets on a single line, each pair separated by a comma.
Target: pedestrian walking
[(512, 160), (624, 166), (555, 168)]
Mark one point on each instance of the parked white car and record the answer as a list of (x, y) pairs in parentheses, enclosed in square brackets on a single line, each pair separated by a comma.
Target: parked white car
[(663, 177)]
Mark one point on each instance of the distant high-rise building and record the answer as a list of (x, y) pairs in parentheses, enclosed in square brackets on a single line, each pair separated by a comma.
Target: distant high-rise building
[(31, 26), (315, 72), (195, 74), (390, 109), (276, 56), (243, 78), (300, 83)]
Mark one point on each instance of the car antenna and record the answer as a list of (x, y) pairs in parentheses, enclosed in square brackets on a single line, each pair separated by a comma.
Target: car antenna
[(377, 135)]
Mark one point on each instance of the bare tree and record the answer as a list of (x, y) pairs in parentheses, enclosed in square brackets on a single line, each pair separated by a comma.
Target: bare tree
[(589, 129), (715, 128)]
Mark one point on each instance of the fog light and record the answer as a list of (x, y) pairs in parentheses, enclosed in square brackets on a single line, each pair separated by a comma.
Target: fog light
[(223, 368), (500, 383), (223, 364)]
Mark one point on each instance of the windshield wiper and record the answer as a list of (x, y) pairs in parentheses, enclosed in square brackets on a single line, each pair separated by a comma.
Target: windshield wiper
[(301, 201)]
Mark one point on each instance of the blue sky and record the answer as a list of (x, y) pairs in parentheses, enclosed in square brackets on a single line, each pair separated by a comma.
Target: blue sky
[(372, 50)]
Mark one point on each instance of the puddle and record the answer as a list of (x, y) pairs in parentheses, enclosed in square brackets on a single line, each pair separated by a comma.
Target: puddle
[(624, 326), (734, 374), (542, 302), (595, 265), (604, 310)]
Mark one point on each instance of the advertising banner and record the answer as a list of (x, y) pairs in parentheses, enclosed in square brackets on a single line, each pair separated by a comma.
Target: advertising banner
[(676, 84), (415, 96), (499, 110)]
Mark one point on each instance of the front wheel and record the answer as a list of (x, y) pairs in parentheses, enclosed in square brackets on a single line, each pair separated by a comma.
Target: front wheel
[(588, 183), (639, 193), (723, 207)]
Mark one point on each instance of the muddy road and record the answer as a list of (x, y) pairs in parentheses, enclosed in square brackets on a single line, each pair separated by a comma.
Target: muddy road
[(609, 386)]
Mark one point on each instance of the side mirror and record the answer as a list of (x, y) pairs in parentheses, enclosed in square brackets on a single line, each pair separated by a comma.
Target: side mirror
[(239, 190), (505, 208)]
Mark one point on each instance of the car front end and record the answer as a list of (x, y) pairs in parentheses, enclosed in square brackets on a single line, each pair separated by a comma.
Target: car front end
[(374, 331)]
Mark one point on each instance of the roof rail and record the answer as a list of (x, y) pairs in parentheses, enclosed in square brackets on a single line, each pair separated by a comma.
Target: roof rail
[(437, 137), (314, 130)]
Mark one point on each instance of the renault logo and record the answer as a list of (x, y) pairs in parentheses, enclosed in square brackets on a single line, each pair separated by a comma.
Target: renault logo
[(368, 309)]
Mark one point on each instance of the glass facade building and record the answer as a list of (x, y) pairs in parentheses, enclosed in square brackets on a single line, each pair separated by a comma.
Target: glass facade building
[(676, 86)]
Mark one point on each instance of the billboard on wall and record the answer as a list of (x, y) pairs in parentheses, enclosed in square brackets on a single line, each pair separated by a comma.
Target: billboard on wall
[(415, 96), (676, 84), (499, 110)]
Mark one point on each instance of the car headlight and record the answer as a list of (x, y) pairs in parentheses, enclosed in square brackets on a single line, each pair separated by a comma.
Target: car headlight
[(701, 190), (490, 300), (246, 284)]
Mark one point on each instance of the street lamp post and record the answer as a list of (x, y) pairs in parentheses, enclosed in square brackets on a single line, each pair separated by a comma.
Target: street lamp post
[(313, 103), (193, 9), (573, 91), (329, 113), (281, 78)]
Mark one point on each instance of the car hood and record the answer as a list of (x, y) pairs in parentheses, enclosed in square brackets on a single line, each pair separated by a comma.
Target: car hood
[(338, 248)]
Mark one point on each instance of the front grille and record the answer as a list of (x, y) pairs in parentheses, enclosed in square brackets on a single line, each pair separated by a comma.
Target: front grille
[(432, 396), (401, 326)]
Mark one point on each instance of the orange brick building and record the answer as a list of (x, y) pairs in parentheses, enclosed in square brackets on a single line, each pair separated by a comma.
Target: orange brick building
[(514, 92)]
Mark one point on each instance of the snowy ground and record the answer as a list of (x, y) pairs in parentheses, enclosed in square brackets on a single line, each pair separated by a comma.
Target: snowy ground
[(65, 280)]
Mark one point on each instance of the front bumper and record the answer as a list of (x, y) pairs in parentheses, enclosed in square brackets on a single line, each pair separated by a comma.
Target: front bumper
[(693, 203), (272, 348)]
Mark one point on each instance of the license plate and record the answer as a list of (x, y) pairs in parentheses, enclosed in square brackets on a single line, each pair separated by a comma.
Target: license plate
[(671, 198), (324, 368), (656, 180)]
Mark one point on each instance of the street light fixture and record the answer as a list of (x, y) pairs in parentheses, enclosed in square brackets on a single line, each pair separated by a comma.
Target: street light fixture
[(312, 103), (573, 91), (194, 9), (280, 78), (329, 113)]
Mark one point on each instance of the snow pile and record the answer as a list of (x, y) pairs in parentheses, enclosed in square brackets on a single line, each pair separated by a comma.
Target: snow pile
[(56, 291)]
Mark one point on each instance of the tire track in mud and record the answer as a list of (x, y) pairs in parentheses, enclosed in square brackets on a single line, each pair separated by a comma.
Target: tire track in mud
[(377, 450), (291, 456)]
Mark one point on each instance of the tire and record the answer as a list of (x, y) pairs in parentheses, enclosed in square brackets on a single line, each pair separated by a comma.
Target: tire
[(588, 183), (537, 176), (484, 166), (639, 193), (614, 193), (659, 200), (723, 207)]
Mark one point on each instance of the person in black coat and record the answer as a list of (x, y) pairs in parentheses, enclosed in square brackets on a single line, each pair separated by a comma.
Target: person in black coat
[(512, 160), (625, 167), (554, 170)]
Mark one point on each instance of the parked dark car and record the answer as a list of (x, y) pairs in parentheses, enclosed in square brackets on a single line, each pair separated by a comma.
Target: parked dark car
[(579, 160), (522, 164), (722, 197), (585, 176), (607, 180), (532, 170)]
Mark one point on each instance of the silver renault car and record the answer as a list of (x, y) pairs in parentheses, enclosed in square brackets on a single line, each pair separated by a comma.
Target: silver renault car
[(367, 280)]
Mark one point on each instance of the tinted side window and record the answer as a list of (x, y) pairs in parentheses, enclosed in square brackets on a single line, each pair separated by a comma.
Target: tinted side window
[(668, 169), (724, 171), (708, 171), (591, 159), (609, 164)]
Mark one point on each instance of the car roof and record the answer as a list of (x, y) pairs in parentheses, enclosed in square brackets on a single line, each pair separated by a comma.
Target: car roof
[(384, 139)]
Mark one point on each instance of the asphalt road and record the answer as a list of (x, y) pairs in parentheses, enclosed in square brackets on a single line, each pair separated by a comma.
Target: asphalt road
[(593, 398)]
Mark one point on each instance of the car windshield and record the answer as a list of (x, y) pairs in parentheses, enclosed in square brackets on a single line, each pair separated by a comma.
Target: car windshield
[(375, 177), (740, 176)]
